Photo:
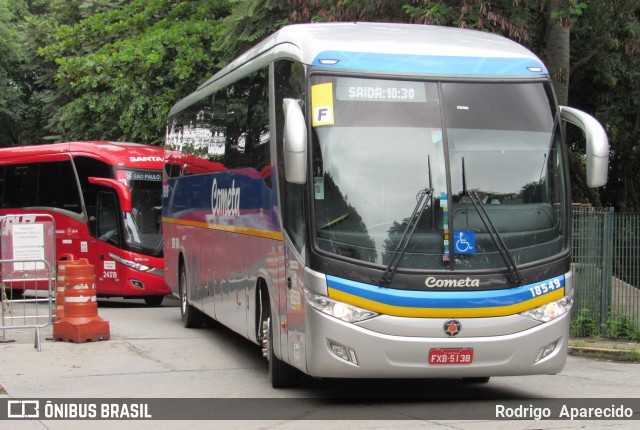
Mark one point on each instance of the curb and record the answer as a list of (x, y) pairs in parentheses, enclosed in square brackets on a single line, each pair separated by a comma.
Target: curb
[(623, 355)]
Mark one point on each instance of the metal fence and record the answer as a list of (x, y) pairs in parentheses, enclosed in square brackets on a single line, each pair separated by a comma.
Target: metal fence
[(18, 311), (606, 270), (27, 262)]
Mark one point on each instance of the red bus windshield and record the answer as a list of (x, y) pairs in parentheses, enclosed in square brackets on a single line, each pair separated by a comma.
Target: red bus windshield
[(142, 225)]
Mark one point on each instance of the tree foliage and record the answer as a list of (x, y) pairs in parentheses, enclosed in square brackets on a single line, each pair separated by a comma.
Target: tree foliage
[(605, 80), (111, 69), (119, 71), (20, 118), (11, 103)]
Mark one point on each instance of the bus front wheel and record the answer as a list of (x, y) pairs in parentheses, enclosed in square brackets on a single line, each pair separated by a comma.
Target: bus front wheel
[(281, 374)]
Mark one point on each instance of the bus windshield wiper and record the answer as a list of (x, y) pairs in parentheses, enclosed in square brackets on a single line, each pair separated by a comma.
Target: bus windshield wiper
[(514, 273), (424, 198)]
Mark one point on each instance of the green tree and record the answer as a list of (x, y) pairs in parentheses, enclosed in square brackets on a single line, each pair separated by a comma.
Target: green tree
[(250, 22), (120, 70), (28, 80), (11, 60), (19, 116), (605, 80)]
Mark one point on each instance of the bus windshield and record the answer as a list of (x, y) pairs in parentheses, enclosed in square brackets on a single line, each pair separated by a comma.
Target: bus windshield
[(142, 225), (380, 143)]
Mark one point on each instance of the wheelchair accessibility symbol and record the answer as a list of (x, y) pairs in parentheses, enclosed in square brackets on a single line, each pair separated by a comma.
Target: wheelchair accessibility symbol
[(464, 242)]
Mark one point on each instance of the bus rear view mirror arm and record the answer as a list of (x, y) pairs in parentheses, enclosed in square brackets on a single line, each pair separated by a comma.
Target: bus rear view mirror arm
[(597, 144), (123, 192), (295, 142)]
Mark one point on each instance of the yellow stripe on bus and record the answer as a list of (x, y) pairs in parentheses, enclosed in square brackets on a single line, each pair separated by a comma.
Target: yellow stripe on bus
[(268, 234), (401, 311)]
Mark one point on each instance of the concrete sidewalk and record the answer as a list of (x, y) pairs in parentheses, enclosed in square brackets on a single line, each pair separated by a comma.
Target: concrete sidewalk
[(605, 349)]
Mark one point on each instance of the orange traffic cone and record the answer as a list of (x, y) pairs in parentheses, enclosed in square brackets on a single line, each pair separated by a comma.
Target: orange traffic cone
[(62, 264), (81, 322)]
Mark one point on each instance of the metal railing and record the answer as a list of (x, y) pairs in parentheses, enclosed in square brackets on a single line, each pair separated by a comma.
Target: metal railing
[(606, 270), (26, 310), (27, 273)]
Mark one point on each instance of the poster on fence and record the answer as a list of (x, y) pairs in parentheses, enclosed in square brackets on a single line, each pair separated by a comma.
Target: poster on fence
[(28, 244), (27, 248)]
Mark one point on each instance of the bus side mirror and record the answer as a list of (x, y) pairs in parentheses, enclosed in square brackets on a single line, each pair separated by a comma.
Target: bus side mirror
[(295, 142), (597, 144), (123, 192)]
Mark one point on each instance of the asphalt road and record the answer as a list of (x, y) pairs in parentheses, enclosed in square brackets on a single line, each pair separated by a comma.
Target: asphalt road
[(152, 356)]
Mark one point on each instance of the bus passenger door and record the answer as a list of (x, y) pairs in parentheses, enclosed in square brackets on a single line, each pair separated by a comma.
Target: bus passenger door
[(110, 237), (294, 340)]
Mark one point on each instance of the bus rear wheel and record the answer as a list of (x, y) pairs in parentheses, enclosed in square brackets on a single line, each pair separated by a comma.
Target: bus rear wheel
[(191, 317)]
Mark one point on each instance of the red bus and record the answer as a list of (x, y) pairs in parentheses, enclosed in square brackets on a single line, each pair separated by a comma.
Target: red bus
[(105, 198)]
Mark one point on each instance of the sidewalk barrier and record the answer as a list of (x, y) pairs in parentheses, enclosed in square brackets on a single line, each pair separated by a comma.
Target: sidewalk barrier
[(27, 273), (81, 322), (19, 312)]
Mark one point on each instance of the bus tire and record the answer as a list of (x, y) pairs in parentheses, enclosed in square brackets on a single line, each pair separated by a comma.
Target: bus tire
[(280, 373), (191, 317), (153, 301)]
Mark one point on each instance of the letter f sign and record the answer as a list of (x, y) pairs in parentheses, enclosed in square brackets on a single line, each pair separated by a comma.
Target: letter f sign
[(322, 115), (323, 112), (322, 104)]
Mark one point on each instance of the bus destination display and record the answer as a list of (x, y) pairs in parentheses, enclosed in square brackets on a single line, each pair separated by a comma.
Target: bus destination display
[(379, 90)]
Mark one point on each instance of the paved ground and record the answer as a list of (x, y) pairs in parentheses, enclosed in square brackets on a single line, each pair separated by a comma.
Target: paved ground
[(596, 348), (150, 355)]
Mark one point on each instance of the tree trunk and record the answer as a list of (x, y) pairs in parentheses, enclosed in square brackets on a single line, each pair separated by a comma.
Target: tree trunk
[(557, 53), (557, 58)]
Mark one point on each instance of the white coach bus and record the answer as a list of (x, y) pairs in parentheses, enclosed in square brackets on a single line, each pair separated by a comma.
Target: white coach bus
[(378, 201)]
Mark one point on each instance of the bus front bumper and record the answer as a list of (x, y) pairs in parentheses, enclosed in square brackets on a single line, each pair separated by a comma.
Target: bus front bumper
[(371, 354)]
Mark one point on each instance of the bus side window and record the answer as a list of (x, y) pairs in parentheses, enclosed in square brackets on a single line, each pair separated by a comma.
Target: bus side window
[(48, 184), (57, 186), (108, 227), (20, 185)]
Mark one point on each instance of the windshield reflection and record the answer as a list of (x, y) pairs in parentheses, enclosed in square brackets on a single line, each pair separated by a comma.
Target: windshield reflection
[(143, 225), (370, 161)]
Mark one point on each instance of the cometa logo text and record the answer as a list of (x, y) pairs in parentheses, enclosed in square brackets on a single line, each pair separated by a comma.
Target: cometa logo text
[(432, 282), (225, 201)]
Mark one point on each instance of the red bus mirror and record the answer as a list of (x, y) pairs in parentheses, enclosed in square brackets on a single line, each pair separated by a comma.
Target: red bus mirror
[(123, 192)]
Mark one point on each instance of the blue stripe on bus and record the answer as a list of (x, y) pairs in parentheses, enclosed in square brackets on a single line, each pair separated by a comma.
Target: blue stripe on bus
[(433, 64), (445, 299), (245, 201)]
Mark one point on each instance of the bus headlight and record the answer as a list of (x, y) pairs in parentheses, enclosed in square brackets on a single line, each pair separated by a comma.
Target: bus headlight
[(336, 309), (137, 266), (551, 311)]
